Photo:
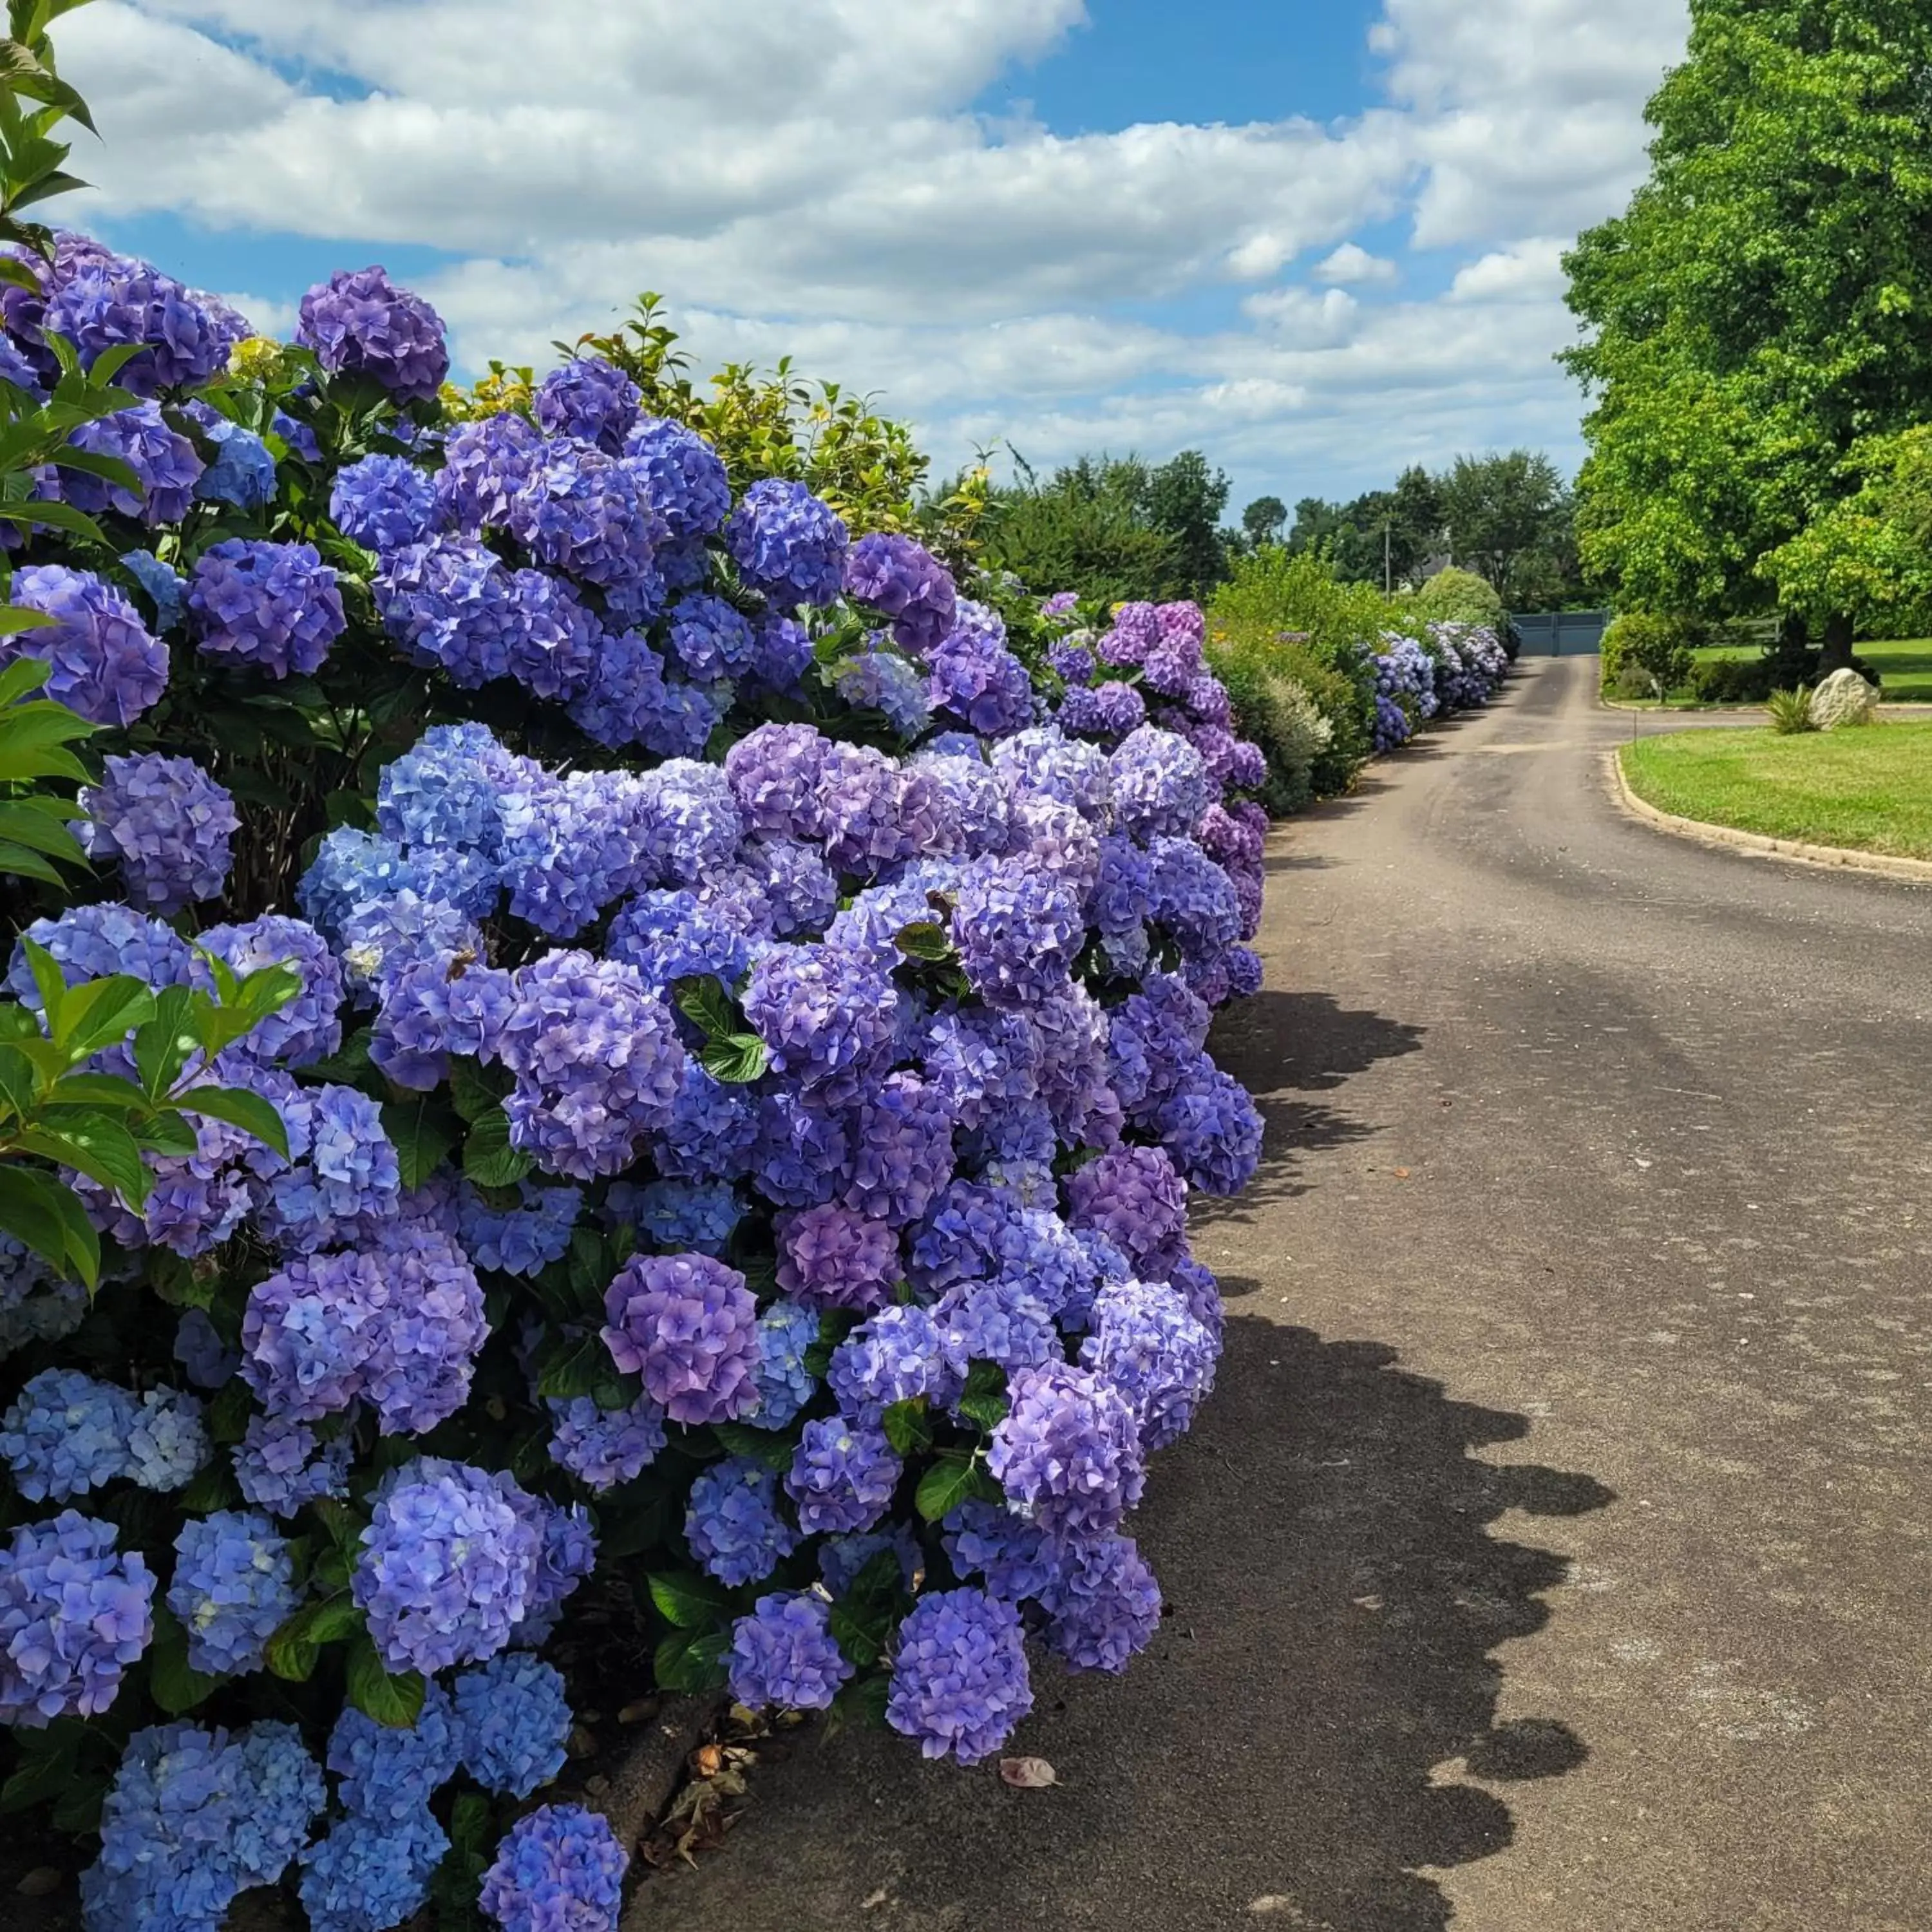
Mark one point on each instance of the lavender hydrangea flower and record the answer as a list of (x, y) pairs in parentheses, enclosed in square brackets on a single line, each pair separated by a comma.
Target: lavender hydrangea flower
[(66, 1434), (682, 476), (101, 661), (164, 462), (787, 543), (359, 323), (784, 1657), (234, 1584), (449, 602), (1103, 1602), (688, 1325), (901, 1355), (1068, 1453), (985, 686), (1072, 662), (798, 886), (1003, 1321), (166, 1441), (842, 1477), (168, 823), (588, 398), (281, 1465), (390, 1771), (272, 604), (604, 1446), (902, 578), (1136, 1198), (1160, 783), (733, 1523), (427, 1016), (512, 1721), (774, 773), (1212, 1130), (1018, 932), (308, 1028), (828, 1018), (785, 1332), (369, 1873), (74, 1614), (109, 300), (833, 1256), (1146, 1343), (447, 1567), (959, 1675), (383, 503), (559, 1869), (1010, 1555)]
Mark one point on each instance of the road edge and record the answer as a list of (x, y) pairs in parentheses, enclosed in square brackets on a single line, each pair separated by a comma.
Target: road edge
[(1793, 851)]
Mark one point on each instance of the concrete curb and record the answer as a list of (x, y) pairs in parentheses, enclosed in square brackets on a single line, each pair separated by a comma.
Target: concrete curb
[(1795, 851)]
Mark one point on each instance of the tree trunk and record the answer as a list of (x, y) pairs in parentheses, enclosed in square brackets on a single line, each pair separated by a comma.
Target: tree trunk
[(1838, 644)]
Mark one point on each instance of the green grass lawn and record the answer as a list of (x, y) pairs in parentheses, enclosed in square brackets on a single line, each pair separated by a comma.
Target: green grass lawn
[(1905, 665), (1868, 788)]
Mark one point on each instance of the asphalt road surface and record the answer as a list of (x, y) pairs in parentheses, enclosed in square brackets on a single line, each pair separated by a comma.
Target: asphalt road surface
[(1556, 1552)]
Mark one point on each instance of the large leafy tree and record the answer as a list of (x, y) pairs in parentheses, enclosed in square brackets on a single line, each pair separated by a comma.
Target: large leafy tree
[(1383, 533), (1508, 519), (1760, 319)]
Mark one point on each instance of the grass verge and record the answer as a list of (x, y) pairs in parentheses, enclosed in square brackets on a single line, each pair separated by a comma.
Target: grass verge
[(1869, 789), (1905, 663)]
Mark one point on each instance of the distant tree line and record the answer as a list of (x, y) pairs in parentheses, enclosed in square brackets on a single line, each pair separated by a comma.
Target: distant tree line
[(1122, 528)]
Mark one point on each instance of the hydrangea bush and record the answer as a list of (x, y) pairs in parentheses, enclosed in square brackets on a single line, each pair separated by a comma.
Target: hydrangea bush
[(742, 1052)]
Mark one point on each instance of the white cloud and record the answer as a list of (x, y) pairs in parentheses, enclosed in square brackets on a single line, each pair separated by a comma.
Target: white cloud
[(807, 176), (1353, 264)]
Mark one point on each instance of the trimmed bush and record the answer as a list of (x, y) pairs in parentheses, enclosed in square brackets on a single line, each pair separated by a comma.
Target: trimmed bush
[(1454, 596)]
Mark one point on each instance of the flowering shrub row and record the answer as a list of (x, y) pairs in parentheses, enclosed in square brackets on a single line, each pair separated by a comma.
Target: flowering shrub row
[(744, 1084), (1452, 667)]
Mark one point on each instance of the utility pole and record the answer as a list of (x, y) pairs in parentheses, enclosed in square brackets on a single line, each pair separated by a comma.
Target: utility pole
[(1388, 581)]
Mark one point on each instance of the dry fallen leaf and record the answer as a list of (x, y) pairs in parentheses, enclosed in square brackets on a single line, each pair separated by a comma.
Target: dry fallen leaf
[(1402, 1174), (39, 1883), (637, 1710), (878, 1899), (1028, 1774), (708, 1762)]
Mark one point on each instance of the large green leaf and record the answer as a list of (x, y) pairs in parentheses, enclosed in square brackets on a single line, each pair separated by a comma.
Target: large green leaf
[(393, 1701), (423, 1130), (93, 1144), (174, 1684), (488, 1159), (687, 1601), (944, 1487), (691, 1661), (241, 1109)]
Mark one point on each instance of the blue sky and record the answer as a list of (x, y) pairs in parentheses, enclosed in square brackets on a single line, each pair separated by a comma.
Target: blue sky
[(1319, 242)]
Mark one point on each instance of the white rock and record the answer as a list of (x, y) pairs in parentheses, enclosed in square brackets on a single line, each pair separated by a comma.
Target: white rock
[(1844, 698)]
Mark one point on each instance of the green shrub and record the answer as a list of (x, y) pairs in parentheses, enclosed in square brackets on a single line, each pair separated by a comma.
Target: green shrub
[(1657, 648), (1282, 715), (1733, 681), (1631, 683), (1791, 711), (1454, 596)]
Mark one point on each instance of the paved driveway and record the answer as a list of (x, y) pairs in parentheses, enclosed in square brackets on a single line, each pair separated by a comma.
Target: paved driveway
[(1557, 1551)]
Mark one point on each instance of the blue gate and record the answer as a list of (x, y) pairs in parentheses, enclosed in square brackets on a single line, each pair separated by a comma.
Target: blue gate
[(1560, 634)]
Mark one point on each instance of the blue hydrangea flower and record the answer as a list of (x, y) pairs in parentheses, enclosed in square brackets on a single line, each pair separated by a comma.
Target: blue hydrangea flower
[(275, 605), (521, 1240), (167, 1442), (368, 1875), (682, 476), (604, 1446), (1103, 1603), (234, 1586), (589, 399), (959, 1675), (733, 1523), (878, 680), (688, 1325), (359, 323), (1002, 1321), (165, 588), (242, 472), (346, 1176), (694, 1216), (102, 661), (1018, 932), (828, 1018), (66, 1434), (901, 1355), (842, 1477), (901, 1142), (842, 1558), (784, 1656), (383, 503), (309, 1028), (1011, 1556), (559, 1869), (1160, 784), (785, 1332), (168, 825), (787, 543), (711, 1131), (74, 1614), (451, 603), (485, 464), (280, 1465), (1068, 1453), (800, 1153), (1212, 1129), (512, 1721), (351, 867), (388, 1771), (164, 462), (711, 639), (1147, 1343), (581, 511), (206, 1359), (108, 301), (625, 700)]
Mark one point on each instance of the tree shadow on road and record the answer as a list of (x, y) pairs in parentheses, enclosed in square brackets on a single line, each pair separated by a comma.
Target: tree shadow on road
[(1302, 1731)]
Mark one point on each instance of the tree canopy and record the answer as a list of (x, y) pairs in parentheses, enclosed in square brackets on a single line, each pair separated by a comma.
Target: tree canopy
[(1759, 320)]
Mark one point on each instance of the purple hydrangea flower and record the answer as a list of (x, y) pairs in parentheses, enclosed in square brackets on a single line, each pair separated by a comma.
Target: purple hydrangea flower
[(345, 1177), (1012, 1555), (842, 1477), (733, 1523), (683, 477), (1144, 1342), (829, 1018), (485, 465), (582, 512), (800, 1153), (109, 300), (74, 1614), (428, 1014), (512, 1720), (959, 1675), (359, 323), (604, 1446), (1103, 1601), (985, 686), (1072, 662), (559, 1869), (710, 639), (1018, 932), (798, 886), (832, 1256), (787, 543), (1160, 783), (280, 1465), (169, 825), (1212, 1129), (234, 1584), (273, 605), (448, 1567), (784, 1656), (450, 602), (902, 1149), (164, 462), (902, 578), (102, 662), (901, 1355), (774, 773), (1136, 1198), (383, 503), (1003, 1320), (588, 398), (1068, 1453), (688, 1325)]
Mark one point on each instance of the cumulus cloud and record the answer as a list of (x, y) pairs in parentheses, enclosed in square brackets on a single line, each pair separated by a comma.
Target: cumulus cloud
[(809, 176)]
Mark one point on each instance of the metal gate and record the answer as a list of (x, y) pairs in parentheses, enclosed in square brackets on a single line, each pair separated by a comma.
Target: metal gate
[(1560, 634)]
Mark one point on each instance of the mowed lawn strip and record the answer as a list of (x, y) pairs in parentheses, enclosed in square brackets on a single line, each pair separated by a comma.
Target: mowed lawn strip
[(1870, 789), (1905, 665)]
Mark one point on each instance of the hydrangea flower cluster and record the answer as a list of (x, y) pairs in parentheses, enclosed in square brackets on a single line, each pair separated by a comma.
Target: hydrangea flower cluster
[(756, 1127), (1470, 663)]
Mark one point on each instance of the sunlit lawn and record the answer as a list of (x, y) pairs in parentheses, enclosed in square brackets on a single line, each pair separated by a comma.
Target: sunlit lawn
[(1905, 665), (1870, 787)]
